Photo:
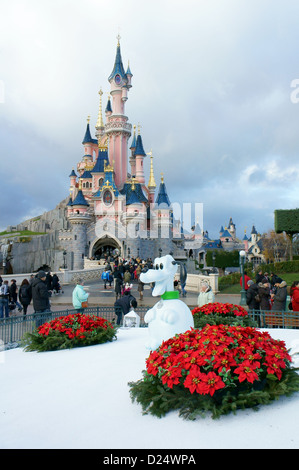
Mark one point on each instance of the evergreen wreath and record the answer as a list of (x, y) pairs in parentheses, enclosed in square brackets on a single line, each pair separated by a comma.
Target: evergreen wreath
[(217, 313), (218, 369), (69, 331)]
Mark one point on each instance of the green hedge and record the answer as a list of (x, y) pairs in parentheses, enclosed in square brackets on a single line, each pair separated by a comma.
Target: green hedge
[(286, 220), (281, 267)]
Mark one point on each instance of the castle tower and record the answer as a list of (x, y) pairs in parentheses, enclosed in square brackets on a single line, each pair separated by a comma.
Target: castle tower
[(232, 228), (139, 156), (73, 178), (90, 144), (132, 156), (117, 128), (163, 223), (254, 235), (79, 218)]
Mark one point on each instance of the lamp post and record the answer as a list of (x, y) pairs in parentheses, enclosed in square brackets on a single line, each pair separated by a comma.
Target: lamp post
[(64, 259), (213, 258), (242, 256)]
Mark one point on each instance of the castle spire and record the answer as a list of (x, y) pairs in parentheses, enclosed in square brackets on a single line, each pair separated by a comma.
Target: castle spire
[(87, 137), (151, 182), (100, 123), (118, 69)]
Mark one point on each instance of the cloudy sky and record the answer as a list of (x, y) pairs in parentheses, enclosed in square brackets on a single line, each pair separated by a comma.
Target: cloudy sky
[(215, 90)]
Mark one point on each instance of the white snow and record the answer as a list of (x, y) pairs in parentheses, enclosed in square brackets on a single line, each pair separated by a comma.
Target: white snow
[(79, 399)]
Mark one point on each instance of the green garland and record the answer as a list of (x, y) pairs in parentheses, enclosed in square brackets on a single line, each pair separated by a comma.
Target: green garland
[(186, 373)]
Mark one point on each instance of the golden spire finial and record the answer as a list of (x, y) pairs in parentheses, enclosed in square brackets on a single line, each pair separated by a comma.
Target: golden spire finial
[(139, 127), (162, 178), (88, 119), (151, 182), (133, 183), (100, 122), (118, 38)]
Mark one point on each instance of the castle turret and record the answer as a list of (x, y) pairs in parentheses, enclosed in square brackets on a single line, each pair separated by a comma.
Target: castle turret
[(73, 179), (117, 129), (132, 156), (139, 156), (100, 128), (163, 223), (79, 218)]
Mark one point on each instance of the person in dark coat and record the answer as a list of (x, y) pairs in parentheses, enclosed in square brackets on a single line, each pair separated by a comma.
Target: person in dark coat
[(49, 280), (118, 286), (280, 298), (264, 294), (40, 294), (25, 294), (123, 305), (13, 294), (55, 283), (259, 277), (251, 294)]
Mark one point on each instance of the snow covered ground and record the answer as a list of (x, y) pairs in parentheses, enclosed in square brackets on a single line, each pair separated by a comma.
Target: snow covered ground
[(79, 399)]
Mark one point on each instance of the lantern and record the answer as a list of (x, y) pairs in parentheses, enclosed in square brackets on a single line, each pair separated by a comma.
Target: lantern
[(131, 320)]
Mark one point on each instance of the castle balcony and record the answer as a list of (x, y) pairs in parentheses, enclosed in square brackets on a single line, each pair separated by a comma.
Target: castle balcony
[(121, 126), (80, 218)]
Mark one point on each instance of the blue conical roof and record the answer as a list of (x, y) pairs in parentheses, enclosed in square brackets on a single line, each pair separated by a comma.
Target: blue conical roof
[(133, 144), (108, 107), (73, 173), (86, 174), (162, 197), (139, 146), (135, 195), (87, 137), (118, 66), (80, 199), (100, 163)]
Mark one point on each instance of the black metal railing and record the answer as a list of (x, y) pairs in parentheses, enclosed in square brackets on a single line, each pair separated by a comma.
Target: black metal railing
[(14, 327)]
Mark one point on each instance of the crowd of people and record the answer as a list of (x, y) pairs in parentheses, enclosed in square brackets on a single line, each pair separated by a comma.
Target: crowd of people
[(266, 292), (270, 292), (38, 289)]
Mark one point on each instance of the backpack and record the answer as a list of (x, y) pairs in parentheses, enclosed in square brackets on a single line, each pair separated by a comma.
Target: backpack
[(4, 289)]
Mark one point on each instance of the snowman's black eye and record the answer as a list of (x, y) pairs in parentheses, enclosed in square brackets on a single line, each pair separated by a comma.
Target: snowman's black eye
[(161, 266), (157, 266)]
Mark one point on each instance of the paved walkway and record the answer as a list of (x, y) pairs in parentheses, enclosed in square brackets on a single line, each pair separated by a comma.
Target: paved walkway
[(105, 297)]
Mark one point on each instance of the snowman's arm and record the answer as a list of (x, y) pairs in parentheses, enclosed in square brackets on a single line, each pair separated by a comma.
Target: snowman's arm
[(150, 315)]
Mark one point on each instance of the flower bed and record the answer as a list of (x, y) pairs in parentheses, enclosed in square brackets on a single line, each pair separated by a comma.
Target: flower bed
[(68, 332), (219, 369), (217, 313)]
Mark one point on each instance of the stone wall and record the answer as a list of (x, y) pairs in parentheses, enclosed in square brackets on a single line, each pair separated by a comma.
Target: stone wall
[(48, 221), (40, 250)]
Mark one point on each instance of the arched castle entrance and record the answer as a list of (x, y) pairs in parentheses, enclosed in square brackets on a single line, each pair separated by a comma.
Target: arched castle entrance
[(106, 245)]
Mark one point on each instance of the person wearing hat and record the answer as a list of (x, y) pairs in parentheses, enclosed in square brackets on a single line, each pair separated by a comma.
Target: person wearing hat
[(206, 295), (40, 294), (252, 297), (280, 297), (79, 295), (264, 295)]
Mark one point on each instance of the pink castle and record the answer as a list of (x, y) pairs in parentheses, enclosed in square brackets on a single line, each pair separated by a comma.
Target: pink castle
[(111, 208)]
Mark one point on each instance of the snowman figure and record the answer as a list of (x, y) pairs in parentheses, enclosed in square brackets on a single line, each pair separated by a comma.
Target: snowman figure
[(169, 316)]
